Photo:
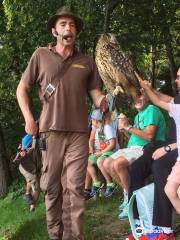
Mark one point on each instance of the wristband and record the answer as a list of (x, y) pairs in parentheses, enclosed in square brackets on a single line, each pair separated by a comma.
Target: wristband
[(128, 127)]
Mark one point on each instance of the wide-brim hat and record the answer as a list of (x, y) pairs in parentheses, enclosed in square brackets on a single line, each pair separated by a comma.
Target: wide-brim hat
[(65, 12)]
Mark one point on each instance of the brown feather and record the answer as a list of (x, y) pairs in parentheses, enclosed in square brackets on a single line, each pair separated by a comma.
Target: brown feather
[(115, 69)]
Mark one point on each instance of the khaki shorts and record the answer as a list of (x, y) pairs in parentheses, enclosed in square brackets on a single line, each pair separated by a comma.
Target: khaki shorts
[(130, 153), (28, 176)]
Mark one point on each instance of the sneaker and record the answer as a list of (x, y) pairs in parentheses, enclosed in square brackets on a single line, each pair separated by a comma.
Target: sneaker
[(94, 190), (157, 236), (109, 191), (124, 213), (123, 204), (87, 194), (164, 236), (29, 199)]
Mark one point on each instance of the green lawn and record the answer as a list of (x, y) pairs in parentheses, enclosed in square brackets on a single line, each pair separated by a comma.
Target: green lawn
[(100, 221), (17, 223)]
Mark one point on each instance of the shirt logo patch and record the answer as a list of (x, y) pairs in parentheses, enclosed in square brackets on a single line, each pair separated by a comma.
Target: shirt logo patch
[(78, 66)]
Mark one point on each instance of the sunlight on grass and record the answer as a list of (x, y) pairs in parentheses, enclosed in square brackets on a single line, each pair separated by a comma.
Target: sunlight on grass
[(17, 223)]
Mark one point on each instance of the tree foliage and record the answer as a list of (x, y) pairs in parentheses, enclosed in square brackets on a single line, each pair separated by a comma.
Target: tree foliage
[(146, 30)]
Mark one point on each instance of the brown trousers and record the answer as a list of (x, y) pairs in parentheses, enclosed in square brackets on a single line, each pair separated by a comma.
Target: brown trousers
[(62, 180)]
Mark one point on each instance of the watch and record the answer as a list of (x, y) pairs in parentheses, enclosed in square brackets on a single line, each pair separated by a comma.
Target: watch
[(167, 148)]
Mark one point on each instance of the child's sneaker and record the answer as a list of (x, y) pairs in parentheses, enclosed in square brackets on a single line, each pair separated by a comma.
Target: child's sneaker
[(87, 194), (94, 190), (109, 191), (28, 198)]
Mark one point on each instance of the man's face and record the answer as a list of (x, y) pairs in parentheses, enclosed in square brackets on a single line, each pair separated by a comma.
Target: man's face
[(178, 79), (65, 31), (141, 103)]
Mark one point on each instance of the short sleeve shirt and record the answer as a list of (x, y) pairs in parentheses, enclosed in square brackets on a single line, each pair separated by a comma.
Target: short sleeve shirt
[(151, 115), (109, 133), (66, 108), (171, 135), (175, 113)]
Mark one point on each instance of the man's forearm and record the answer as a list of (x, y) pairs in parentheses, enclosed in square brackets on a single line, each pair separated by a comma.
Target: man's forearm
[(31, 126), (141, 133), (162, 96), (153, 96), (23, 101), (97, 97)]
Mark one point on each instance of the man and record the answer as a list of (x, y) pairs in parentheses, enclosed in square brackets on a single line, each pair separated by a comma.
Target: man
[(158, 160), (149, 124), (64, 76)]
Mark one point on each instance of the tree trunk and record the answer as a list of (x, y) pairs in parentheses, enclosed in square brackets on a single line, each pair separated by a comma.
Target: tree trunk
[(5, 176), (110, 6), (172, 67), (167, 39), (153, 66)]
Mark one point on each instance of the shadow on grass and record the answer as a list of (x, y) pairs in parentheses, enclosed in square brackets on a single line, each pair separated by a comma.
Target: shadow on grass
[(32, 230)]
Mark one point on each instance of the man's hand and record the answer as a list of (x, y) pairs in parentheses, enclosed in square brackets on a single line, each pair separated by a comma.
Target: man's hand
[(98, 154), (144, 83), (158, 153), (31, 127)]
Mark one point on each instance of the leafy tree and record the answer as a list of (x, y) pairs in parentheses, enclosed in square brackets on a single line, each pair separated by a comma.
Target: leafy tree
[(146, 30)]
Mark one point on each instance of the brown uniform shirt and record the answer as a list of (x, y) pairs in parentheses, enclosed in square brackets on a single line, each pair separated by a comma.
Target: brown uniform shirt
[(66, 108)]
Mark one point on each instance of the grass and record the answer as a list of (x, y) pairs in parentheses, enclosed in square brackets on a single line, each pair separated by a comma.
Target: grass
[(100, 220), (17, 223)]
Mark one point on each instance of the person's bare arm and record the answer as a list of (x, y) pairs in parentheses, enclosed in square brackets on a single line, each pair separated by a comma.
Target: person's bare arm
[(161, 96), (23, 100), (91, 141), (96, 96), (152, 95), (161, 151), (147, 133)]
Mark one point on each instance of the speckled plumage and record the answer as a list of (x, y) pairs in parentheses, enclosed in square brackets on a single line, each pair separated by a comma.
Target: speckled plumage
[(115, 69)]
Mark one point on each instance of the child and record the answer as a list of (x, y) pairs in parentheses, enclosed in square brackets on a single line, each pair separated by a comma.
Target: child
[(103, 145), (28, 170)]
